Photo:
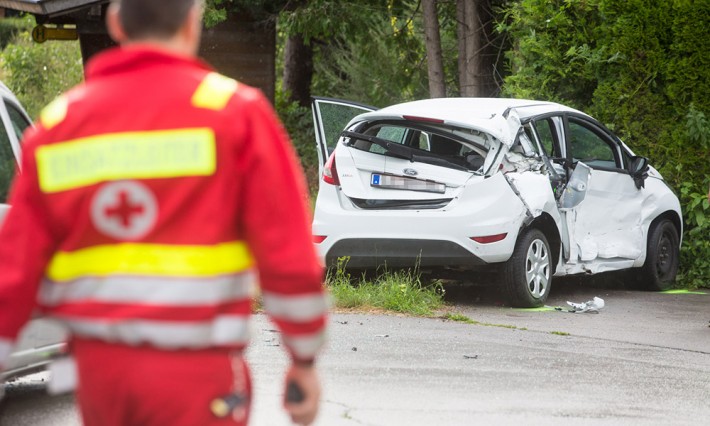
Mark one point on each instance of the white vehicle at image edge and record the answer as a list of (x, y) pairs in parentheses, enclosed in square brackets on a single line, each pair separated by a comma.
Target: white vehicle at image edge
[(40, 340), (526, 189)]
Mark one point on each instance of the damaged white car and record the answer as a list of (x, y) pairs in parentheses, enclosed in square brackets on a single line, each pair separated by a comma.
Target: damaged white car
[(528, 189)]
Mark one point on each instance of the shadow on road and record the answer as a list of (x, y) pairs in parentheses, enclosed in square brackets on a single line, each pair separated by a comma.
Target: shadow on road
[(486, 291)]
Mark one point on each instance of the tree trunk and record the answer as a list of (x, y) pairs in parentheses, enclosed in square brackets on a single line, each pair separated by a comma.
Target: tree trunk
[(435, 63), (471, 34), (298, 70), (477, 55), (461, 39)]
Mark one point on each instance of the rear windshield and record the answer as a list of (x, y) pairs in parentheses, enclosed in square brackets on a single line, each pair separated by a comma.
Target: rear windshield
[(459, 146)]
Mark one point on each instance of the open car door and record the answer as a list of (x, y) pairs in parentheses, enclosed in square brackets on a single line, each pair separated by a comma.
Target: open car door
[(330, 116)]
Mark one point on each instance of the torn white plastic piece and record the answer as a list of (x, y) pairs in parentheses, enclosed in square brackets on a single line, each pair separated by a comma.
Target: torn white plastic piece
[(593, 305)]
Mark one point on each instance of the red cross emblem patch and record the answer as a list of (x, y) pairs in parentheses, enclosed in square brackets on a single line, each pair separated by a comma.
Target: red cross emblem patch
[(126, 210)]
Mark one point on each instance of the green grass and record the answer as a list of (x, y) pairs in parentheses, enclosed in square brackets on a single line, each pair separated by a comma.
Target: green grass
[(455, 316), (400, 291), (395, 291)]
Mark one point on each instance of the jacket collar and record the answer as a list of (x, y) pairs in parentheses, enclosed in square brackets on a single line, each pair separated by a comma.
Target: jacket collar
[(117, 60)]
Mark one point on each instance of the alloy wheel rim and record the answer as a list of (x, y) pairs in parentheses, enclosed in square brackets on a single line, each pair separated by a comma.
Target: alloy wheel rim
[(537, 269)]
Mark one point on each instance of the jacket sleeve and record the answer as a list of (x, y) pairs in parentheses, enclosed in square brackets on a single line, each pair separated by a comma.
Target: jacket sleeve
[(276, 222), (26, 246)]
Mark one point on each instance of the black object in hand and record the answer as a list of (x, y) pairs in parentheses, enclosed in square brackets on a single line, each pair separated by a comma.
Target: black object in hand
[(294, 393)]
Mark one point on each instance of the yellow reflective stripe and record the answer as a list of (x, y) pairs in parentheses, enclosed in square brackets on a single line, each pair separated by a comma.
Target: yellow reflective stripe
[(224, 330), (151, 260), (131, 155), (173, 291), (54, 113), (214, 92), (298, 308)]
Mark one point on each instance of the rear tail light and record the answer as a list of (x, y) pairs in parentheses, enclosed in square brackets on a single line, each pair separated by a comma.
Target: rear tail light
[(330, 173), (487, 239), (319, 238)]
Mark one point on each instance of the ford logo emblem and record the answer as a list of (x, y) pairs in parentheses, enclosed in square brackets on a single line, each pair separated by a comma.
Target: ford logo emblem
[(410, 172)]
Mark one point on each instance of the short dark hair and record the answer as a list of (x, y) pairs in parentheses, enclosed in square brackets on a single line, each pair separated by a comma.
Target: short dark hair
[(153, 18)]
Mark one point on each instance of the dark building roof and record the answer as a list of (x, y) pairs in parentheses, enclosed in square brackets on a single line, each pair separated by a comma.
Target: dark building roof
[(238, 47), (48, 7)]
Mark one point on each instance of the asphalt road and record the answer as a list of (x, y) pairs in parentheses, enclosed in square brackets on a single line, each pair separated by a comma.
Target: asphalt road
[(643, 360)]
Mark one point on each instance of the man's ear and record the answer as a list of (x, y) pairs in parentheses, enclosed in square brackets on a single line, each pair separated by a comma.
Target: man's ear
[(113, 24), (192, 28)]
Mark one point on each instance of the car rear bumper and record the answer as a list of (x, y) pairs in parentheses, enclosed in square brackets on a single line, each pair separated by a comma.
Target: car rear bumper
[(379, 252), (442, 237)]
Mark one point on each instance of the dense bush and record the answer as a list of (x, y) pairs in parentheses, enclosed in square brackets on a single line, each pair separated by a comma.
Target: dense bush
[(640, 66), (37, 73), (298, 121), (9, 29)]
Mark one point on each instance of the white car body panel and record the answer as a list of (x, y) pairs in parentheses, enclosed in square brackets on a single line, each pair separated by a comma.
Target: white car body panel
[(356, 179), (471, 206)]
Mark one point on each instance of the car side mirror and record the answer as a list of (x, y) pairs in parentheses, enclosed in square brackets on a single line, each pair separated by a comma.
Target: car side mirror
[(638, 169)]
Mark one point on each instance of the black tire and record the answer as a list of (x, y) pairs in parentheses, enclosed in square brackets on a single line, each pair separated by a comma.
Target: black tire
[(662, 257), (527, 275)]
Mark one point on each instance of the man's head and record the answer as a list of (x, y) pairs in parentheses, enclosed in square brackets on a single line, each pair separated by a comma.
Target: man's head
[(174, 24)]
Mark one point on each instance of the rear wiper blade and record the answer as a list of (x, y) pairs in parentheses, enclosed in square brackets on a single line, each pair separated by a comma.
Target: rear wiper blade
[(408, 153), (391, 147)]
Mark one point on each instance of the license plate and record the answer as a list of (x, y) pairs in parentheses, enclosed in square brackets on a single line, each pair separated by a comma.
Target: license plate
[(406, 183)]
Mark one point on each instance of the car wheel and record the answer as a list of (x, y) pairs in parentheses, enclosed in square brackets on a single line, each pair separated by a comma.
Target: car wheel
[(527, 276), (662, 257)]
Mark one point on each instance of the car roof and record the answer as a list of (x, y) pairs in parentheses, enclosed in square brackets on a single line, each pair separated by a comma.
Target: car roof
[(472, 110), (497, 116)]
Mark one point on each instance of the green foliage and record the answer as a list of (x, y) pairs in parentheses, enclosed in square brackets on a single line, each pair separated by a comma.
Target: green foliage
[(216, 10), (397, 291), (381, 61), (459, 317), (366, 51), (555, 55), (640, 66), (37, 73), (332, 19), (298, 122), (9, 28), (694, 197), (698, 128)]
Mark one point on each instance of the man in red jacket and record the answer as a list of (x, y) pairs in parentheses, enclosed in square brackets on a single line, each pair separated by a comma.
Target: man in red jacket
[(152, 199)]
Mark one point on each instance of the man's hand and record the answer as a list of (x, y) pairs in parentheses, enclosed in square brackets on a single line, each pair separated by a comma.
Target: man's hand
[(304, 385)]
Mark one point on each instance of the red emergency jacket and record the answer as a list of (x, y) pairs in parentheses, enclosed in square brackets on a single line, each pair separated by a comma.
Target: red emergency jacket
[(152, 199)]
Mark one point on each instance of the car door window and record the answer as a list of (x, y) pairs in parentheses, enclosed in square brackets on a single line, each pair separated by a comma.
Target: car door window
[(390, 133), (8, 163), (17, 119), (546, 133), (448, 150), (414, 138), (590, 147), (330, 116)]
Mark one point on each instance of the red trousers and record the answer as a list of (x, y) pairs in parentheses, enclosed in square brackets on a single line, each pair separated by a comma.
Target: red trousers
[(142, 386)]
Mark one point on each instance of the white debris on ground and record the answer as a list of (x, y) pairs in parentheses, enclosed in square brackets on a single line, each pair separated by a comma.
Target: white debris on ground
[(593, 305)]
